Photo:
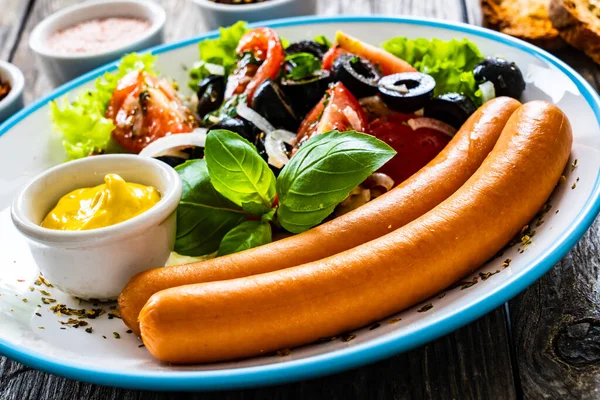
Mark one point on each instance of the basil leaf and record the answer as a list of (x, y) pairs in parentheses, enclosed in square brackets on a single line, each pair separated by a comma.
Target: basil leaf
[(203, 216), (245, 236), (238, 172), (269, 216), (303, 65), (322, 174)]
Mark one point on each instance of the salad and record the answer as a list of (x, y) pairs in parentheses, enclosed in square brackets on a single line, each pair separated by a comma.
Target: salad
[(279, 137)]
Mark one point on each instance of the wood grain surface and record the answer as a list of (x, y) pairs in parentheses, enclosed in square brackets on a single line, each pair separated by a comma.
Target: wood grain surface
[(543, 344)]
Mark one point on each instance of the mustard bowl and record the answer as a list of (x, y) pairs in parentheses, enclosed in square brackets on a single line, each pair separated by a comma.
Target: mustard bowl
[(97, 263)]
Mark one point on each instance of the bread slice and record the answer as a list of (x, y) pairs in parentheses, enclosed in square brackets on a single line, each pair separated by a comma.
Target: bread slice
[(578, 23), (524, 19)]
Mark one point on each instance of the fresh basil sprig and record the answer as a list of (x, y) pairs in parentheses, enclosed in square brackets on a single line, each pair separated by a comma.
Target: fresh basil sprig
[(245, 236), (204, 216), (238, 172), (323, 173), (224, 193)]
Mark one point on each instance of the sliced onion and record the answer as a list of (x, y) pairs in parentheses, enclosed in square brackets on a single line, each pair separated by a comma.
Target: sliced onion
[(353, 118), (275, 147), (163, 145), (252, 116), (378, 179), (431, 123), (488, 91), (357, 198)]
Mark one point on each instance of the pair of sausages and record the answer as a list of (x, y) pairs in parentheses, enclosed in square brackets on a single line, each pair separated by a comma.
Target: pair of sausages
[(253, 315), (414, 197)]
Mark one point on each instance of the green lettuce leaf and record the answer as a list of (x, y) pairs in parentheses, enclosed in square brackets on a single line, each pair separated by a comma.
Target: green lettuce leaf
[(322, 39), (450, 63), (221, 50), (217, 56), (81, 123)]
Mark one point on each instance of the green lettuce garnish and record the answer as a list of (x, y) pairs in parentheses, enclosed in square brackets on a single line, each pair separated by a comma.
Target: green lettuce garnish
[(218, 51), (81, 123), (322, 39), (450, 63)]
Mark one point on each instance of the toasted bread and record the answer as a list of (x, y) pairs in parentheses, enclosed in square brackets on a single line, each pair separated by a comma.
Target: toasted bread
[(578, 23), (524, 19)]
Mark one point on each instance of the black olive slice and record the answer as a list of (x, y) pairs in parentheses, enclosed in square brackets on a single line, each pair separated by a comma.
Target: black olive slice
[(211, 91), (270, 102), (406, 92), (305, 93), (506, 76), (307, 46), (451, 108), (244, 128), (357, 74)]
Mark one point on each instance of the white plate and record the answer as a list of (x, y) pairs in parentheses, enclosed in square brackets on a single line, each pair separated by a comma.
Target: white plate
[(27, 147)]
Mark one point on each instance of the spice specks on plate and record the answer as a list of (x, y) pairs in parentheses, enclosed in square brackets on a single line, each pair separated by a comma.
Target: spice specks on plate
[(284, 352), (425, 308)]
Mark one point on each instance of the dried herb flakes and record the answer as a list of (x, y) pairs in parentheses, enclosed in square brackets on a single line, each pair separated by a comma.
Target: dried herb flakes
[(425, 308)]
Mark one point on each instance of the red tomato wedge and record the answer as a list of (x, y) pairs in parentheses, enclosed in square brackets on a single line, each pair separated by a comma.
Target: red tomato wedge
[(144, 108), (338, 109), (332, 54), (389, 63), (265, 46), (415, 148)]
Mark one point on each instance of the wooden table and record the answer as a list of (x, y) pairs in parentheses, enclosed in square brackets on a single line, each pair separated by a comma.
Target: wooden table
[(545, 343)]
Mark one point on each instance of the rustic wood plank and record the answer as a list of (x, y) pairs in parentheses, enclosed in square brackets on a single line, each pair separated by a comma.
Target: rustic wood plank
[(556, 322), (12, 18), (473, 362)]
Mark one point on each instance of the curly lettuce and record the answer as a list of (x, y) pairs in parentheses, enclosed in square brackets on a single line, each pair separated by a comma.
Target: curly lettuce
[(81, 122), (450, 63), (219, 51)]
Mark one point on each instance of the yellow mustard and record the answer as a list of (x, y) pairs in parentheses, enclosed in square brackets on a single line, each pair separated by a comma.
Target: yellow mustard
[(110, 203)]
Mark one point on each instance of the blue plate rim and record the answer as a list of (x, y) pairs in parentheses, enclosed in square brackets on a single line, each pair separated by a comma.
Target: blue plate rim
[(363, 353)]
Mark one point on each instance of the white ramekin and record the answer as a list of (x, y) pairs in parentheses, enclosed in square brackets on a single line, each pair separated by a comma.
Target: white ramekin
[(217, 14), (13, 102), (97, 263), (62, 67)]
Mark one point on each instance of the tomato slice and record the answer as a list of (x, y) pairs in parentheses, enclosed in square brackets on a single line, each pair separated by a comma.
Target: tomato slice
[(265, 46), (338, 109), (332, 54), (144, 108), (389, 63), (415, 148)]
